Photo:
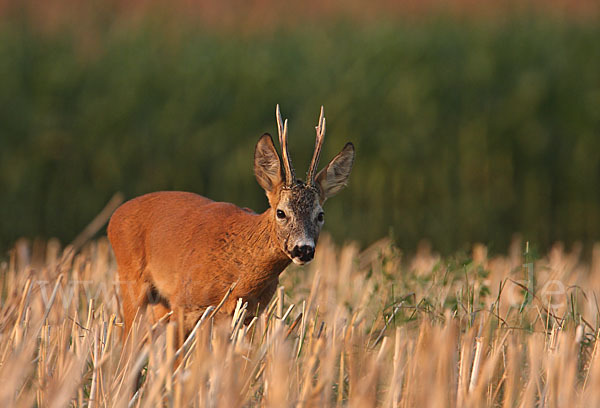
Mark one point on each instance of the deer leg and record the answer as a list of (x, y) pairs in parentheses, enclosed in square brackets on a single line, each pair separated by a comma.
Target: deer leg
[(159, 311), (134, 297), (262, 300), (159, 304), (266, 295)]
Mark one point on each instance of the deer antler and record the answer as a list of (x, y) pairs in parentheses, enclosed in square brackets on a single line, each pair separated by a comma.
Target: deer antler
[(290, 177), (312, 170)]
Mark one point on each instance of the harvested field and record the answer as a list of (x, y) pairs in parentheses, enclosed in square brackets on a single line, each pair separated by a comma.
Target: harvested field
[(368, 328)]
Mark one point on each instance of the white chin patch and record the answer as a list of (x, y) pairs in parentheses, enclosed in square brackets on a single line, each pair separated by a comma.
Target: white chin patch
[(298, 261)]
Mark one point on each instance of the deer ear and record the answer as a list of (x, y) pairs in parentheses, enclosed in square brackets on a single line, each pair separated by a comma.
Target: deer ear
[(335, 176), (267, 166)]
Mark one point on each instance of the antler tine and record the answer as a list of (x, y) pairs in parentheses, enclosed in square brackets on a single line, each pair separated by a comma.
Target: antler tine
[(283, 141), (279, 125), (320, 128)]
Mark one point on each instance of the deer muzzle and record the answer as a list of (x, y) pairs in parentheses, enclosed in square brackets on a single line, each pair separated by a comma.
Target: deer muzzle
[(303, 252)]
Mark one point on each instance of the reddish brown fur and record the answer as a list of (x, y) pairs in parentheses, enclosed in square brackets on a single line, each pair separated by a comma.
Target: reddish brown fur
[(180, 250)]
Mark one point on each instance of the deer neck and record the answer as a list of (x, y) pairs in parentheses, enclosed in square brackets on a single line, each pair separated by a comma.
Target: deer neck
[(263, 259)]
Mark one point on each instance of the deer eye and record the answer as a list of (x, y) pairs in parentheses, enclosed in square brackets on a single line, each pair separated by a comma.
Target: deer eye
[(280, 214), (321, 217)]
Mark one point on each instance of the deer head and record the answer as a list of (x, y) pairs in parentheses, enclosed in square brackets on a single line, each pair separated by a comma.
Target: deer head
[(296, 205)]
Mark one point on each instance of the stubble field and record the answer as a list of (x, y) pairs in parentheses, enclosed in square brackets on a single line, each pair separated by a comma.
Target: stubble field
[(353, 328)]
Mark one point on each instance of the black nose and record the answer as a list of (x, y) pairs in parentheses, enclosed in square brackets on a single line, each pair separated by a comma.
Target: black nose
[(305, 252)]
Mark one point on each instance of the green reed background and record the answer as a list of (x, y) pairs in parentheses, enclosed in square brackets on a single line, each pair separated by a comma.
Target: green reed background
[(466, 129)]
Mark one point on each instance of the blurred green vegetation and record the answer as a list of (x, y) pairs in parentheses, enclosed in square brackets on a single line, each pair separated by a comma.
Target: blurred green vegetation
[(465, 131)]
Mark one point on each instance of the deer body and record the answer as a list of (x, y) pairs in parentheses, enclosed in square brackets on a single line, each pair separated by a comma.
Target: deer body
[(180, 251), (182, 258)]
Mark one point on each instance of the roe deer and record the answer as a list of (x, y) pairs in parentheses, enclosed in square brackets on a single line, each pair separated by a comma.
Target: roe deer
[(180, 251)]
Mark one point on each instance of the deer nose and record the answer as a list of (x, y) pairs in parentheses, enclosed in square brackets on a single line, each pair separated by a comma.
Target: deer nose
[(304, 252)]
